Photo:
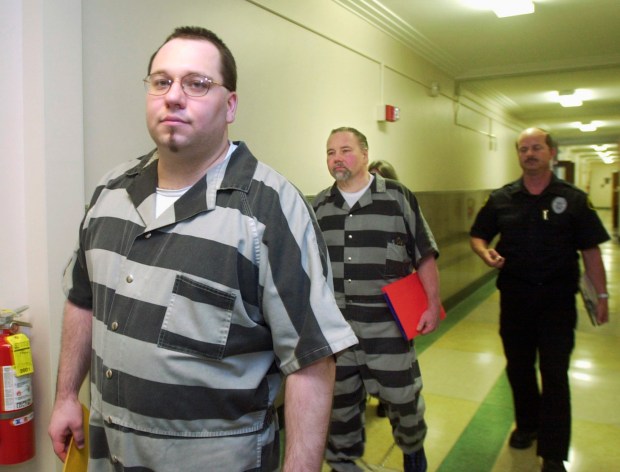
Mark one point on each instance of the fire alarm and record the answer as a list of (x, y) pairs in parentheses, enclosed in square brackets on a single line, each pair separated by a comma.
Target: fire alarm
[(388, 113), (392, 113)]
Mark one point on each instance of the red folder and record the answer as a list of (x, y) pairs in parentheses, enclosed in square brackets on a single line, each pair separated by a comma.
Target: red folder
[(407, 301)]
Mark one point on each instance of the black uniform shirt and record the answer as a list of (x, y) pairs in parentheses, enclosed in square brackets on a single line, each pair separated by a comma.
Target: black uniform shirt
[(540, 234)]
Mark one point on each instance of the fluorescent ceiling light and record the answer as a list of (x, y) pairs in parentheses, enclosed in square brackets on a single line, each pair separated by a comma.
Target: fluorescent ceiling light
[(569, 98), (568, 101), (572, 98), (504, 8), (606, 157), (588, 127)]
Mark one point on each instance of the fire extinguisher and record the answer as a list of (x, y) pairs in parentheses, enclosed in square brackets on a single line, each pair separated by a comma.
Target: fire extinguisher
[(16, 405)]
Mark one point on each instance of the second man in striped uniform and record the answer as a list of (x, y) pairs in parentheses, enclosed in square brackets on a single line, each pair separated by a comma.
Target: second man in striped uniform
[(376, 234)]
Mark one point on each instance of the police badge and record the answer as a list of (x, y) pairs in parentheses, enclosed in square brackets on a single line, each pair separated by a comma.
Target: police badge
[(558, 205)]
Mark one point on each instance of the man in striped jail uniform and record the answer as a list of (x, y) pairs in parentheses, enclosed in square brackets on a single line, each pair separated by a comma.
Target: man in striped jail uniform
[(200, 280), (376, 234)]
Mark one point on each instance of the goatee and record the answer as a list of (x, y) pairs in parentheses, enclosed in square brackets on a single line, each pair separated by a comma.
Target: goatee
[(342, 175), (172, 145)]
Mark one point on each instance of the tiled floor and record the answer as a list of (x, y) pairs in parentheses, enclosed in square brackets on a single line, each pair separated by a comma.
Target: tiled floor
[(469, 406)]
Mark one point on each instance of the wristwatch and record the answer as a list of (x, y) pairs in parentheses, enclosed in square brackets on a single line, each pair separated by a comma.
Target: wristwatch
[(603, 295)]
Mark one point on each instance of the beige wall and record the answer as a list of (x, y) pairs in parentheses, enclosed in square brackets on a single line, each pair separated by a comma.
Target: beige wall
[(74, 107), (600, 188), (41, 179), (593, 176), (305, 67)]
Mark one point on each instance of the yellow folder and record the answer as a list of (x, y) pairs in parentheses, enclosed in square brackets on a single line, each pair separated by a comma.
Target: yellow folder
[(77, 459)]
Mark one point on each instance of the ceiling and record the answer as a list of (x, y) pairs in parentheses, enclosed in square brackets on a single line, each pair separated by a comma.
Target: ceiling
[(518, 61)]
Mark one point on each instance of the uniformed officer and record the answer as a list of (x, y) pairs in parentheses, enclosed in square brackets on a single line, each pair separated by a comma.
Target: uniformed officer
[(543, 223)]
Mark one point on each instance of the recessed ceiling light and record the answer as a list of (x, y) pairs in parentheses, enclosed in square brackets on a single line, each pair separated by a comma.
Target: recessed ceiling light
[(505, 8), (569, 101), (571, 98), (606, 157), (588, 127)]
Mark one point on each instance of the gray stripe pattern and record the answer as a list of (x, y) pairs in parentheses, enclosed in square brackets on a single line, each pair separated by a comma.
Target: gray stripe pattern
[(199, 313), (382, 238)]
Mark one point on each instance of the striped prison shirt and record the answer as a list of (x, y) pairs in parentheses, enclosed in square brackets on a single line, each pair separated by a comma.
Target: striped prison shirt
[(199, 312), (380, 240)]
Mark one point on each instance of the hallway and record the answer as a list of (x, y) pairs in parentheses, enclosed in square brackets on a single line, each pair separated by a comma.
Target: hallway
[(469, 405)]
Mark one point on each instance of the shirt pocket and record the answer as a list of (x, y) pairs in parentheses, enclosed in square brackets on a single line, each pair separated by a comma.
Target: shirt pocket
[(197, 320), (397, 260)]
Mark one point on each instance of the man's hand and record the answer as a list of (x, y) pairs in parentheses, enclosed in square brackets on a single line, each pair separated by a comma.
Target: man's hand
[(602, 311), (66, 422), (75, 354), (429, 277), (593, 262), (490, 256), (429, 321)]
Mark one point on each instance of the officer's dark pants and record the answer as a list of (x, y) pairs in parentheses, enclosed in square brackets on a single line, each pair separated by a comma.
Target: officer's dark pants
[(540, 321)]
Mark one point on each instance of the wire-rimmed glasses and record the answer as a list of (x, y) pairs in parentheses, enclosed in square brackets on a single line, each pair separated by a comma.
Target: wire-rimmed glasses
[(194, 85)]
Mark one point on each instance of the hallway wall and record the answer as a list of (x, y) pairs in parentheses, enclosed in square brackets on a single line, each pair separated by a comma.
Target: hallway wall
[(600, 184), (304, 69), (41, 180), (450, 215), (75, 107)]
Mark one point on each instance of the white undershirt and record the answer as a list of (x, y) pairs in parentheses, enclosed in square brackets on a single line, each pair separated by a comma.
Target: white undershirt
[(167, 197), (352, 197)]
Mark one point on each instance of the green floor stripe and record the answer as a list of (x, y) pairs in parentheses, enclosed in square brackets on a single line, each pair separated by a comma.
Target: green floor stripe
[(454, 315), (482, 440)]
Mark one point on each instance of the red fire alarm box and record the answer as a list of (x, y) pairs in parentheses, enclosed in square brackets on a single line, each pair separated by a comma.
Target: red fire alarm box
[(388, 113), (392, 113)]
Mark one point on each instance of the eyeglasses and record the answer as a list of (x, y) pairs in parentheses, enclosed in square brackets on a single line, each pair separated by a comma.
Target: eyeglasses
[(194, 85)]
